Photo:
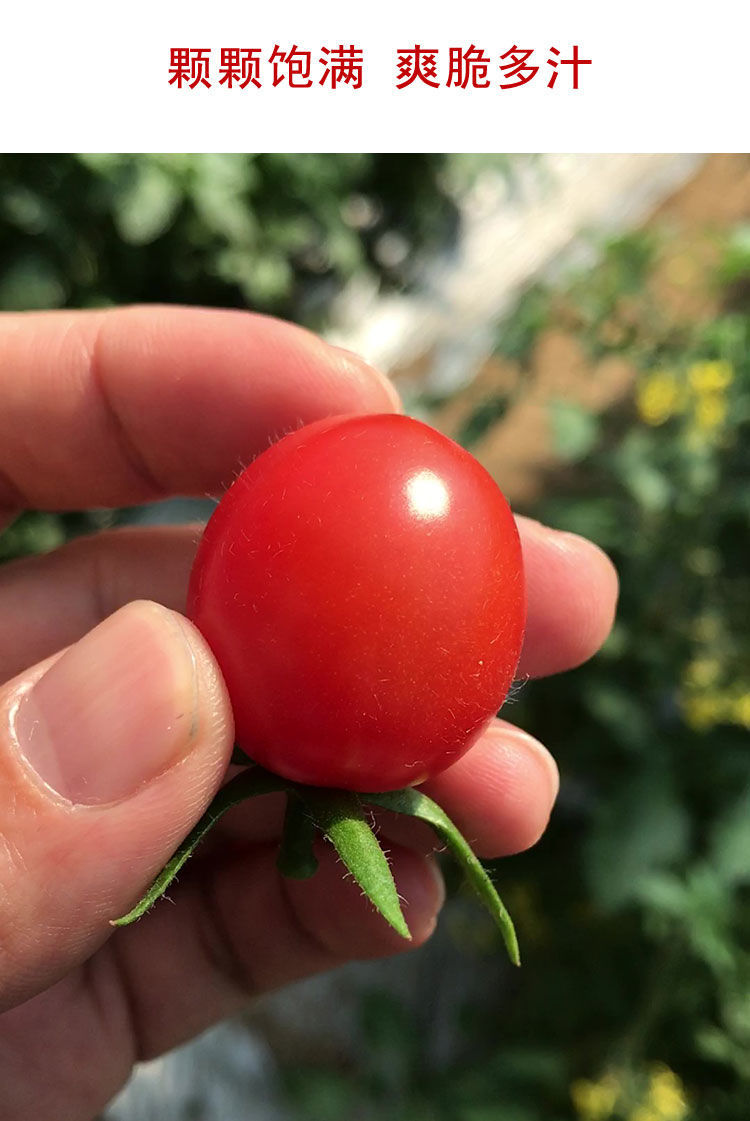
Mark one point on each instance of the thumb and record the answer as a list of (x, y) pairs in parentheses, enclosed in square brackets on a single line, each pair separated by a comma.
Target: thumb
[(109, 752)]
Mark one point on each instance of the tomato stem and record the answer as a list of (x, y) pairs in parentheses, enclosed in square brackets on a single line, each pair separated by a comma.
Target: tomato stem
[(297, 859)]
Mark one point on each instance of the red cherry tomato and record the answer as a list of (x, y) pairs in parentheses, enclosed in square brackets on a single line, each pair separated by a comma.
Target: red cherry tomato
[(361, 586)]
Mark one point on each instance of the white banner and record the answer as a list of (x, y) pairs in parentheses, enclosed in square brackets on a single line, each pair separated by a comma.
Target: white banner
[(335, 76)]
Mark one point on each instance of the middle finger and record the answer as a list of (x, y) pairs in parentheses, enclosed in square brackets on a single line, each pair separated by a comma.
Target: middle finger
[(49, 601)]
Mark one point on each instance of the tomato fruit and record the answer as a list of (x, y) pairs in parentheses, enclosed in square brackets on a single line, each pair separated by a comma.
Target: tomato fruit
[(361, 587)]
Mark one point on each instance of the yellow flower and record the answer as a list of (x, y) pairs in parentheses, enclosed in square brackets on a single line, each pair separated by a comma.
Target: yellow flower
[(706, 628), (595, 1101), (710, 377), (702, 672), (666, 1095), (710, 412), (704, 710), (644, 1113), (658, 397), (741, 710)]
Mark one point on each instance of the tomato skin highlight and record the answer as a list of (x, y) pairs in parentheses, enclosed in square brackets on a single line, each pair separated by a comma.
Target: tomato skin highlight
[(361, 586)]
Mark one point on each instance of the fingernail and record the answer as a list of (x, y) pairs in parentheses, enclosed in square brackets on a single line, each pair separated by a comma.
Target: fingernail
[(117, 709), (374, 375), (434, 869), (393, 394), (559, 536), (574, 545), (575, 540), (518, 738), (565, 540)]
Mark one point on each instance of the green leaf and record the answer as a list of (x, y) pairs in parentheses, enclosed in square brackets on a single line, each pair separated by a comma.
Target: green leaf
[(250, 784), (641, 830), (646, 483), (666, 893), (622, 713), (574, 429), (730, 843), (488, 412), (340, 817), (416, 804), (31, 281), (147, 205), (32, 532)]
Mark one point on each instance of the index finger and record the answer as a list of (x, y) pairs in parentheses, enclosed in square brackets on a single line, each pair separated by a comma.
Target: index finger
[(108, 408)]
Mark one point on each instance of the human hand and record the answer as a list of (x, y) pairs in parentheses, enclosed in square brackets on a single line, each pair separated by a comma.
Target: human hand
[(117, 737)]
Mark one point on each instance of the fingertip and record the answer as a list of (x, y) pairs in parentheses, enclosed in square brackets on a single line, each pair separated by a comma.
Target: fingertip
[(195, 392), (421, 888), (375, 384), (109, 753), (572, 589), (587, 553), (501, 793)]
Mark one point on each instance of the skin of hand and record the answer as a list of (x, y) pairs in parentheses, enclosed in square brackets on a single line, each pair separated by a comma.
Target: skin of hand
[(115, 729)]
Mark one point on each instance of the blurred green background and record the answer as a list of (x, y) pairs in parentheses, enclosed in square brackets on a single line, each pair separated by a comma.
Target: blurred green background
[(634, 910)]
